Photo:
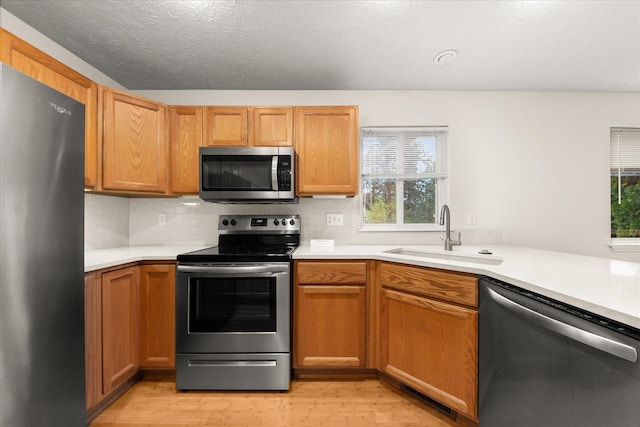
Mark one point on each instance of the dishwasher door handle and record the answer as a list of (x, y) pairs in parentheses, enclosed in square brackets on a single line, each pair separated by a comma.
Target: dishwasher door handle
[(598, 342)]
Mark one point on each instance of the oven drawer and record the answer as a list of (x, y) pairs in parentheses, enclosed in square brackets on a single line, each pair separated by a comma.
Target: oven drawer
[(265, 371)]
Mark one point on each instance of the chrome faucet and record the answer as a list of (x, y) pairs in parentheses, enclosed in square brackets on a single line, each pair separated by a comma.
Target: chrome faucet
[(445, 220)]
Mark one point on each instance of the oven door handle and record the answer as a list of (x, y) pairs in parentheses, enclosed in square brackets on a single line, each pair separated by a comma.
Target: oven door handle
[(233, 269)]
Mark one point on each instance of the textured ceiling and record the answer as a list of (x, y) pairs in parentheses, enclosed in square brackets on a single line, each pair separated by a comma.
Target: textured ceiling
[(383, 45)]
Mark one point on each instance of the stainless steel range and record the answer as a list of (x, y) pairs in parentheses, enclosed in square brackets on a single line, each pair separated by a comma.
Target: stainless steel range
[(233, 307)]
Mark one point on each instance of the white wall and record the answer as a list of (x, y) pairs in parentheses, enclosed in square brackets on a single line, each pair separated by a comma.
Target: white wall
[(533, 165)]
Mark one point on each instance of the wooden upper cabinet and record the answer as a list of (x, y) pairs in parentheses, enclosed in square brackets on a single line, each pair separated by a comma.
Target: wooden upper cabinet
[(185, 139), (134, 143), (33, 62), (326, 143), (271, 127), (249, 126), (226, 126)]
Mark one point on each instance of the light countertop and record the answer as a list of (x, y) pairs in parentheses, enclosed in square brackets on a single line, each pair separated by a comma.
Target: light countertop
[(603, 286), (105, 258)]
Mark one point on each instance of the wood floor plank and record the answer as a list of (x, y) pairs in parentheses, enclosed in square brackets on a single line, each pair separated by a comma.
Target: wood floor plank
[(309, 403)]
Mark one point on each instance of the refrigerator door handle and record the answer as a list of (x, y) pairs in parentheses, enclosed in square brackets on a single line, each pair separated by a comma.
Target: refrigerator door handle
[(590, 339)]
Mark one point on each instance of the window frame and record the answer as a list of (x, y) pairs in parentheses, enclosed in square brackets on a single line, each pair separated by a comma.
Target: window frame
[(620, 244), (441, 184)]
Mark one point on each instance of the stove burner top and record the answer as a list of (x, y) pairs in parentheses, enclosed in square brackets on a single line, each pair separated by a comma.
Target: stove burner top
[(247, 238)]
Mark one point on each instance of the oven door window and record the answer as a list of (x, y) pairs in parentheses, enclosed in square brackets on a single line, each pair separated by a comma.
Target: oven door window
[(240, 173), (232, 304)]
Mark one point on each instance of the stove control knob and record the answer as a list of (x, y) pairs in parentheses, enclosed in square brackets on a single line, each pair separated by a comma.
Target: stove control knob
[(233, 222), (284, 222), (276, 222), (225, 222), (292, 221)]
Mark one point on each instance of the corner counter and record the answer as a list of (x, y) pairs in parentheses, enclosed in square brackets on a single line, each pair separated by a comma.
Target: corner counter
[(606, 287), (105, 258)]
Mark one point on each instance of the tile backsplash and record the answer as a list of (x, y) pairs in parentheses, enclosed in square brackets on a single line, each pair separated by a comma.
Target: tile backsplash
[(116, 221), (106, 221)]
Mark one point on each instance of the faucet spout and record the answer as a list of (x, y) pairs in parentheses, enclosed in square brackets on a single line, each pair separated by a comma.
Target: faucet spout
[(445, 219)]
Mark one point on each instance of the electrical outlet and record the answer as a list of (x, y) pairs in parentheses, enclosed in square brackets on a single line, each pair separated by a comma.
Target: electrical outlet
[(335, 219), (162, 219)]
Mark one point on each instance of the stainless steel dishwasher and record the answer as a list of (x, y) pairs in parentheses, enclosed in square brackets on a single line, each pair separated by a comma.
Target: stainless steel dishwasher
[(543, 363)]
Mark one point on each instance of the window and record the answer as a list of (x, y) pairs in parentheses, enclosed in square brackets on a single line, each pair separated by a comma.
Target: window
[(625, 183), (404, 177)]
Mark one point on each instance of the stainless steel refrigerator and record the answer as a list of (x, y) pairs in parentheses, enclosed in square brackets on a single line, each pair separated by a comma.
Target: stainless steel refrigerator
[(42, 380)]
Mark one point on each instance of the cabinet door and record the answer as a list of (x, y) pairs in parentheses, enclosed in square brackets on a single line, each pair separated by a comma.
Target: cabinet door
[(157, 316), (271, 127), (185, 140), (327, 146), (93, 339), (33, 62), (120, 330), (330, 314), (226, 126), (330, 327), (431, 346), (134, 143)]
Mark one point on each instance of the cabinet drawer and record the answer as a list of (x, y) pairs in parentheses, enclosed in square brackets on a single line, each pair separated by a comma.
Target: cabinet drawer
[(461, 288), (330, 272)]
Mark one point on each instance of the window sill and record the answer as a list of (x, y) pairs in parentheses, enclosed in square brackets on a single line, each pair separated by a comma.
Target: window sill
[(625, 245), (401, 228)]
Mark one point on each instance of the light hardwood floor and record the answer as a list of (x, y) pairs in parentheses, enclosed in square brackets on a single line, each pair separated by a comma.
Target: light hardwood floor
[(366, 402)]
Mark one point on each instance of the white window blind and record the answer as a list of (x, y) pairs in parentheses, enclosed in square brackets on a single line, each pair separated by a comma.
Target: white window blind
[(404, 152), (625, 148)]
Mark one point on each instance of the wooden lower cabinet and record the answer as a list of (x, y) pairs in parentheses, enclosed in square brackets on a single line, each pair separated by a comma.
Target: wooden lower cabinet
[(330, 314), (428, 344), (120, 330), (157, 316), (93, 338), (331, 327), (129, 326)]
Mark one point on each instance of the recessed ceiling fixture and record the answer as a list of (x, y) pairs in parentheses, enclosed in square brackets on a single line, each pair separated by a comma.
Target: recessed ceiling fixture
[(445, 57)]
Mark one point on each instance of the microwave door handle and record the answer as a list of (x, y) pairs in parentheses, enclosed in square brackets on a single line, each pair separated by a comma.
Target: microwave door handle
[(235, 269), (274, 173)]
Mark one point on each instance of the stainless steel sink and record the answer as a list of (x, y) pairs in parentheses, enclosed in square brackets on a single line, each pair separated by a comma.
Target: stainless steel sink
[(471, 258)]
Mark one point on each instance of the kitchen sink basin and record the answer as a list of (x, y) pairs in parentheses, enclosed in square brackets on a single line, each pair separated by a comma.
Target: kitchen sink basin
[(467, 257)]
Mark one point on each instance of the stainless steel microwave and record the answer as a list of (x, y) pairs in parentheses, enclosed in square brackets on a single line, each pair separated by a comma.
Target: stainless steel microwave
[(247, 174)]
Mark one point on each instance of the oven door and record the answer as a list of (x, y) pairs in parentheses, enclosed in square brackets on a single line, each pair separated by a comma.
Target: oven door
[(233, 308)]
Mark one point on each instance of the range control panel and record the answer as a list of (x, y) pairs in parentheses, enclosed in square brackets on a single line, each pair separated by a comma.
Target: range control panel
[(288, 223)]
